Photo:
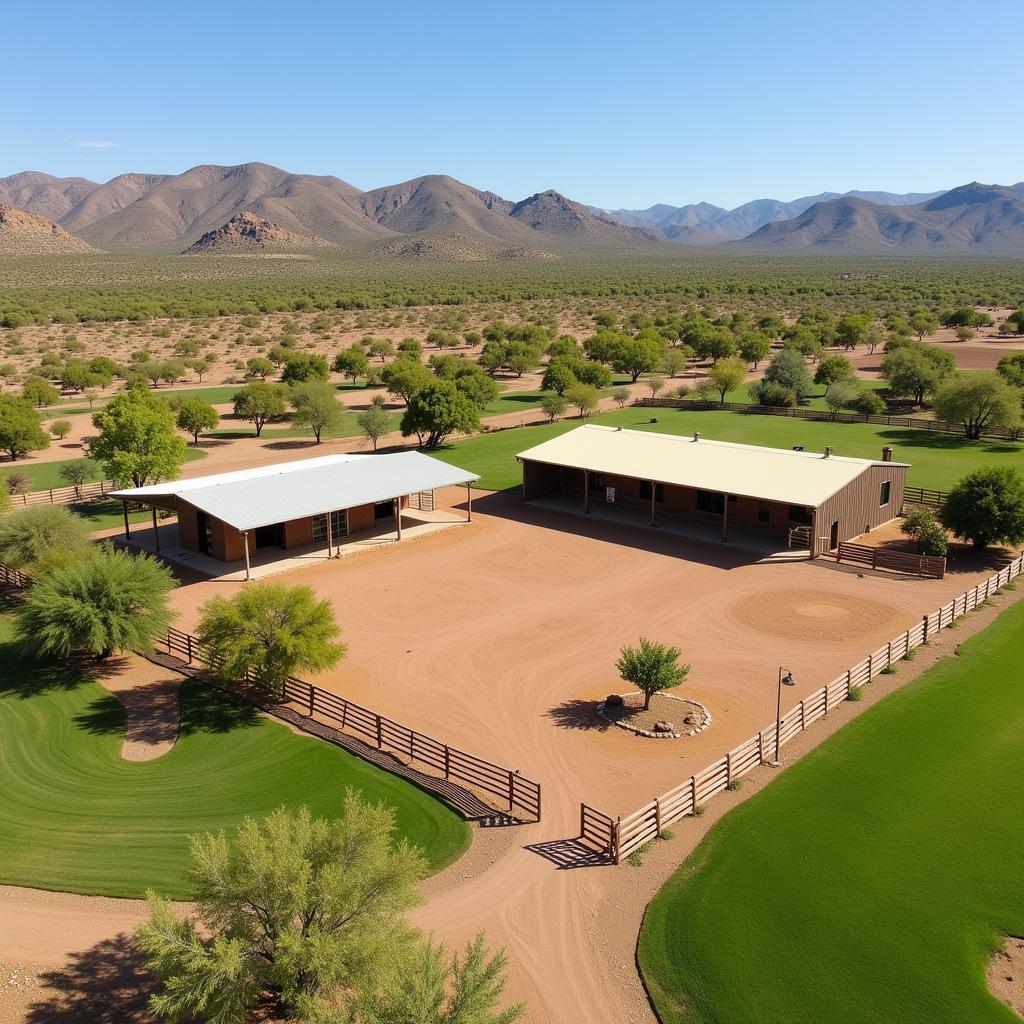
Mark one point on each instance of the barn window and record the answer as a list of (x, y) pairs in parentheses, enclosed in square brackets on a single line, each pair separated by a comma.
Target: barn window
[(883, 497)]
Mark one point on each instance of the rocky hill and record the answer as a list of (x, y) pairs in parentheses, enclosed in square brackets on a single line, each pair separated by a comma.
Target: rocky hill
[(27, 234), (554, 214), (246, 232), (971, 218)]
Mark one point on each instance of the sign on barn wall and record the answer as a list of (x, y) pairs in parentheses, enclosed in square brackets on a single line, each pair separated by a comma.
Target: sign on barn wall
[(609, 495)]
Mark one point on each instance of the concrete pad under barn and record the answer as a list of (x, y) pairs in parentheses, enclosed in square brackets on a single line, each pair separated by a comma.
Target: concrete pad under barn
[(761, 544), (271, 561)]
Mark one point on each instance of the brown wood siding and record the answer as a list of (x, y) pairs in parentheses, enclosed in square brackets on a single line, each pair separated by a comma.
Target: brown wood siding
[(298, 532), (540, 479), (360, 517), (228, 544), (856, 507), (188, 527)]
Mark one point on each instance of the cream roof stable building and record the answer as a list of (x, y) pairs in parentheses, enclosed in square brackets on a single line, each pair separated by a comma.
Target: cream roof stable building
[(773, 489)]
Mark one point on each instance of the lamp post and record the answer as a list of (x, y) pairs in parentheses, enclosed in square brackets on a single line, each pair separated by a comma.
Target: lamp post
[(784, 680)]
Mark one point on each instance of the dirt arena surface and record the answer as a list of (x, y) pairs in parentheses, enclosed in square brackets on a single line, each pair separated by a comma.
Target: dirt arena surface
[(501, 637)]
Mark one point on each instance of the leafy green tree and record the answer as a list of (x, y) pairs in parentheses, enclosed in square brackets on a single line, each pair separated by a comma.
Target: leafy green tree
[(268, 632), (108, 601), (655, 382), (442, 339), (869, 403), (20, 429), (521, 358), (987, 507), (916, 370), (674, 361), (965, 333), (771, 393), (353, 363), (587, 371), (199, 367), (375, 422), (651, 667), (635, 356), (136, 442), (78, 473), (753, 346), (565, 346), (840, 395), (621, 396), (41, 537), (851, 330), (193, 415), (405, 377), (381, 348), (714, 343), (833, 369), (300, 367), (921, 526), (554, 405), (316, 408), (258, 366), (39, 392), (979, 401), (923, 323), (558, 376), (437, 411), (584, 397), (1011, 367), (60, 429), (726, 375), (278, 355), (259, 403), (433, 987), (172, 370), (476, 385), (305, 909), (873, 337), (789, 370)]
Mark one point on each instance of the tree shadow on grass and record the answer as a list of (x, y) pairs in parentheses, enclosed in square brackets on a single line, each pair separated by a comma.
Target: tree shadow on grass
[(24, 678), (107, 984), (948, 442), (577, 714)]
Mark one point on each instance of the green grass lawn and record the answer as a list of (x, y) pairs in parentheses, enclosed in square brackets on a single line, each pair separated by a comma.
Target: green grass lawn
[(47, 474), (75, 816), (937, 460), (872, 880)]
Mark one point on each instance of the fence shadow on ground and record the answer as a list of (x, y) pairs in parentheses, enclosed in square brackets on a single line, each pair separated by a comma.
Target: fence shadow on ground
[(107, 984), (568, 854)]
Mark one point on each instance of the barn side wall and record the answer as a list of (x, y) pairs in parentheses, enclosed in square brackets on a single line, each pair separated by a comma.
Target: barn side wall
[(857, 507)]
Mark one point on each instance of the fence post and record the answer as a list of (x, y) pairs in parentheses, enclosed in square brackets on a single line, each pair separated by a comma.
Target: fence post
[(803, 717), (924, 638), (728, 768), (870, 667), (312, 700), (693, 792), (888, 656), (849, 680), (760, 747), (511, 789), (188, 645), (446, 767), (613, 840), (379, 741)]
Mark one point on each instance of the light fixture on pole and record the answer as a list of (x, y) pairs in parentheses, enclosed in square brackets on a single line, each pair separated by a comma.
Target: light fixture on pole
[(784, 680)]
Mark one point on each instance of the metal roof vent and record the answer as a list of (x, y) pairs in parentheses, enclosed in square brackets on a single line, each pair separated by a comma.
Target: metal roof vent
[(696, 435), (828, 452)]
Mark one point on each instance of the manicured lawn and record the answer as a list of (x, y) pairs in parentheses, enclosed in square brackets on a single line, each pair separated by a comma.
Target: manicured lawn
[(937, 460), (75, 816), (872, 880), (47, 474)]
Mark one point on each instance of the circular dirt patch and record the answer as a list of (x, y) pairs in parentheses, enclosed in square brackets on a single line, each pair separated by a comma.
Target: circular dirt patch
[(687, 717), (815, 615)]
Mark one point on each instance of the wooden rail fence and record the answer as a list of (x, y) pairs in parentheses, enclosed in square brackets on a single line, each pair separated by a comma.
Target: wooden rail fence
[(619, 837), (63, 495), (900, 561), (926, 496), (910, 422), (448, 762), (523, 795)]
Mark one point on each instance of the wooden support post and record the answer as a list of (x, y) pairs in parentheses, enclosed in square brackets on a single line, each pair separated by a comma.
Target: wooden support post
[(725, 518), (398, 517), (127, 528), (469, 503), (245, 545), (654, 490), (156, 531), (586, 492)]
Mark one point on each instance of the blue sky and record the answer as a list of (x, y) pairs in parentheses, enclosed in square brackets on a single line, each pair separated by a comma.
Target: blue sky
[(613, 104)]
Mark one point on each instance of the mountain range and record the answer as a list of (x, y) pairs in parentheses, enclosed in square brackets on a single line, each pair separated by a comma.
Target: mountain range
[(257, 207)]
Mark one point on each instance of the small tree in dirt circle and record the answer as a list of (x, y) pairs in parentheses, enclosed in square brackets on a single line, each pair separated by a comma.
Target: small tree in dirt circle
[(651, 667), (267, 633)]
